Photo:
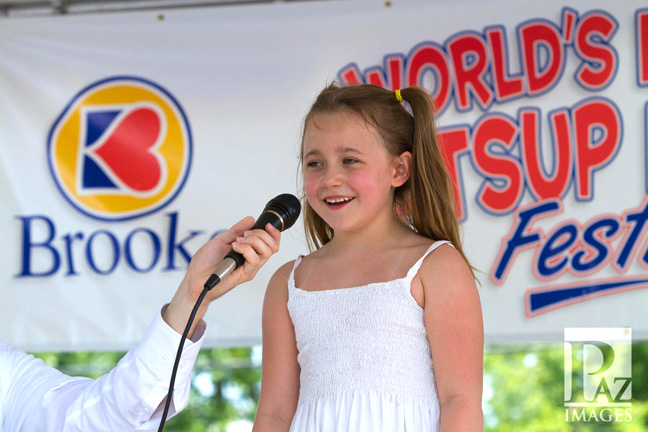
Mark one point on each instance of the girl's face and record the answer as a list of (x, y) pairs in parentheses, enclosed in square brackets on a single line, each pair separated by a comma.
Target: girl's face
[(348, 175)]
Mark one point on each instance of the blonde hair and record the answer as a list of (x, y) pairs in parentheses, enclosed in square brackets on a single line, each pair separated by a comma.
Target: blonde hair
[(426, 200)]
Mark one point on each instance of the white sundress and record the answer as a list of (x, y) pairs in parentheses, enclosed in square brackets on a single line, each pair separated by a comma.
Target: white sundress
[(365, 358)]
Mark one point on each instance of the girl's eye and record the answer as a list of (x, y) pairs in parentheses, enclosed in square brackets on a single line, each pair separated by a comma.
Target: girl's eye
[(350, 160), (312, 164)]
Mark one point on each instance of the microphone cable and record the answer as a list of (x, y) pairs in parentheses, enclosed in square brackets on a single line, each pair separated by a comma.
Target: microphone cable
[(179, 355)]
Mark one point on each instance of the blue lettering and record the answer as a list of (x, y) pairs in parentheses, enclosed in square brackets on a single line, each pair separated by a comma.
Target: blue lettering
[(156, 250), (179, 246), (28, 245), (556, 245), (115, 252), (69, 239), (102, 249), (609, 227), (638, 219), (520, 237)]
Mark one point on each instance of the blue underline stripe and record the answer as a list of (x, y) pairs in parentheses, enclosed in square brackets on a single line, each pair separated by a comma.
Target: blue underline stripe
[(541, 300)]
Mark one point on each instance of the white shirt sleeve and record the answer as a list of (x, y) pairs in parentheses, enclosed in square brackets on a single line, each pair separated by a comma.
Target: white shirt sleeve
[(37, 398)]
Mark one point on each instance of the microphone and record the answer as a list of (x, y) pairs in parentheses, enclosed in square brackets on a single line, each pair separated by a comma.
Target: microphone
[(281, 212)]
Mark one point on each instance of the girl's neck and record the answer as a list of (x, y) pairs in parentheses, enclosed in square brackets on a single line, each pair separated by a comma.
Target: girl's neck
[(371, 239)]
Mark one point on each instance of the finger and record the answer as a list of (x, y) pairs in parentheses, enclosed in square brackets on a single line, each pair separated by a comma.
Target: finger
[(266, 237), (248, 252), (259, 244), (274, 232), (237, 230)]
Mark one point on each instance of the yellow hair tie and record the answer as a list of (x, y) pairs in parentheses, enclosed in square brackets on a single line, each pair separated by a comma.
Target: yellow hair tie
[(398, 96)]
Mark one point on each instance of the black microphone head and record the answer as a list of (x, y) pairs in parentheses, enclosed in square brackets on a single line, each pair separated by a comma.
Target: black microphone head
[(287, 207)]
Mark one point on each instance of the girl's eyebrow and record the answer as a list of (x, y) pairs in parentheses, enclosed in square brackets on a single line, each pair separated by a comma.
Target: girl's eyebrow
[(349, 150), (339, 150)]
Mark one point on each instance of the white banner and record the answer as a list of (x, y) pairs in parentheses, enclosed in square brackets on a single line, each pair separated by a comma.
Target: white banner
[(128, 139)]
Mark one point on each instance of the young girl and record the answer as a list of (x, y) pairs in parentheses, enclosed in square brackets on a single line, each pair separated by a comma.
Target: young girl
[(380, 328)]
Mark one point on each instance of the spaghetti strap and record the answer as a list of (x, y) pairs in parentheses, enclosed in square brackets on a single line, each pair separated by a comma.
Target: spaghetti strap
[(417, 265), (291, 279)]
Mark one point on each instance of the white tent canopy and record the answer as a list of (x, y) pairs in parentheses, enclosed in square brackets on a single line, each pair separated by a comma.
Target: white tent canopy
[(17, 8)]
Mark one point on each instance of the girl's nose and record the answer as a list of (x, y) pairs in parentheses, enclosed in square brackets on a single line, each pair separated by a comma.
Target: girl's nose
[(332, 177)]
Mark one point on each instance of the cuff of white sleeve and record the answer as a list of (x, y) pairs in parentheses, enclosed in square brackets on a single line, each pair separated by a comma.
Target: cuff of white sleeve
[(158, 349)]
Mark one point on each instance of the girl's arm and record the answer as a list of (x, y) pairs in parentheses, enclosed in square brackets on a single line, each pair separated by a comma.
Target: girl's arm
[(453, 320), (280, 370)]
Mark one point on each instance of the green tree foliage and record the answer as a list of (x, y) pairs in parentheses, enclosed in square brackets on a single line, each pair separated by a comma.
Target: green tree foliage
[(234, 378), (523, 388)]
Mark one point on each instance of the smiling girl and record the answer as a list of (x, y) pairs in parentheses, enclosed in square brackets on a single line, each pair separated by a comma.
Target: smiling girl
[(380, 327)]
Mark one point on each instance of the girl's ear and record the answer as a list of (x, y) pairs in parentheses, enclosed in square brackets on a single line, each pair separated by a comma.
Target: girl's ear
[(401, 169)]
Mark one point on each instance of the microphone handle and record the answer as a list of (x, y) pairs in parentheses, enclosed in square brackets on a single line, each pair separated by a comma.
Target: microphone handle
[(233, 259)]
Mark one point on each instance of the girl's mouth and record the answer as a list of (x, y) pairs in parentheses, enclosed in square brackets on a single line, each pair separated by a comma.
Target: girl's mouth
[(337, 203)]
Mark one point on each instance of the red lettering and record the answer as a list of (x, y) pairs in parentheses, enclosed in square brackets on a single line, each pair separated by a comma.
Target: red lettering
[(545, 186), (504, 184), (569, 17), (506, 87), (350, 75), (593, 35), (597, 129), (375, 76), (395, 65), (534, 38), (641, 31), (470, 63), (430, 56)]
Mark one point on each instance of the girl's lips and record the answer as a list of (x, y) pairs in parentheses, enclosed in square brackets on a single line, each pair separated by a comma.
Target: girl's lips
[(337, 205)]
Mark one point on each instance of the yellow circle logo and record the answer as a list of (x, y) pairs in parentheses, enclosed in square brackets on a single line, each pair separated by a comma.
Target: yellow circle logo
[(121, 149)]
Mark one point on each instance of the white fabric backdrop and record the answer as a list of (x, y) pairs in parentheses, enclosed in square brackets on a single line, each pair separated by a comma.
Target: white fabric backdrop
[(244, 78)]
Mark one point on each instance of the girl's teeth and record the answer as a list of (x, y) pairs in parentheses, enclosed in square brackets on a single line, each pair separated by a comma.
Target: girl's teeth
[(337, 200)]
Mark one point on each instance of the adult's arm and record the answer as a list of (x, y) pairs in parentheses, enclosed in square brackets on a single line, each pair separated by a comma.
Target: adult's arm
[(35, 397)]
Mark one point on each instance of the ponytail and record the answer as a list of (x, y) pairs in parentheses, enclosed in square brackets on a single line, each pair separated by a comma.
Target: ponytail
[(431, 198)]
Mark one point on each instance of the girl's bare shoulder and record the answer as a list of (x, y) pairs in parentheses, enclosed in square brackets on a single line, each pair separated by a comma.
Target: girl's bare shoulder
[(279, 280), (445, 268)]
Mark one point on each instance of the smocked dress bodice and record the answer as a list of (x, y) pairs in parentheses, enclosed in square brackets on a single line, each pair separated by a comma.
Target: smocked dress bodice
[(365, 358)]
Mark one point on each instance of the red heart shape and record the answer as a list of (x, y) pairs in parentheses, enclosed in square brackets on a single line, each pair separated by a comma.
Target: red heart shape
[(127, 151)]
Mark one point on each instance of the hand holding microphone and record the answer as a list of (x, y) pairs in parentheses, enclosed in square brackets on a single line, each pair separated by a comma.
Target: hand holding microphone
[(278, 215), (236, 255), (241, 259)]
